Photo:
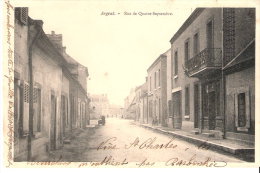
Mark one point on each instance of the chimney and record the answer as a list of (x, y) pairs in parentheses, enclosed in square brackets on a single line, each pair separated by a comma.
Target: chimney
[(56, 39)]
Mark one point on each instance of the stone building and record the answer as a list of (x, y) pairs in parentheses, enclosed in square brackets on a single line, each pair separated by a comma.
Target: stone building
[(42, 92), (239, 73), (130, 105), (143, 104), (99, 105), (157, 90), (212, 64), (77, 90), (138, 111)]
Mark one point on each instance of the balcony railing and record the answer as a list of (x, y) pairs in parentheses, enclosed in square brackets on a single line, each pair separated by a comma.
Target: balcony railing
[(207, 58)]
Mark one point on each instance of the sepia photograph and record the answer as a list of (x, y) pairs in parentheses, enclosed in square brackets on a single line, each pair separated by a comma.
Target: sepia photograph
[(130, 84)]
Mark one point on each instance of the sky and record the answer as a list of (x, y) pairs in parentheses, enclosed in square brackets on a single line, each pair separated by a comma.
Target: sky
[(116, 49)]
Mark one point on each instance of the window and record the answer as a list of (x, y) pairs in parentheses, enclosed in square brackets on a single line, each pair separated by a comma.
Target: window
[(159, 108), (150, 108), (64, 112), (155, 110), (154, 80), (187, 100), (37, 109), (159, 77), (176, 63), (196, 44), (172, 64), (241, 110), (187, 50), (210, 34), (150, 83)]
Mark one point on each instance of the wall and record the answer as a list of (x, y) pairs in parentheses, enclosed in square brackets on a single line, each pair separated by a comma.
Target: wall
[(181, 80), (21, 51), (244, 27), (157, 92), (164, 88), (234, 82), (139, 113), (21, 73), (66, 93), (50, 80)]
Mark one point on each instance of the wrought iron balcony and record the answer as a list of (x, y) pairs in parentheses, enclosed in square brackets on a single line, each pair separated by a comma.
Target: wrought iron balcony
[(207, 60)]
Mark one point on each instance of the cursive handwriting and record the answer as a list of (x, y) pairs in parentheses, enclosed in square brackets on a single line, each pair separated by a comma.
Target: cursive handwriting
[(10, 76), (108, 144), (48, 163), (150, 143), (145, 163), (109, 160), (208, 162)]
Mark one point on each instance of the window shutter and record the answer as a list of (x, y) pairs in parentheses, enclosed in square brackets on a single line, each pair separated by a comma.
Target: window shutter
[(247, 109), (25, 113), (236, 109)]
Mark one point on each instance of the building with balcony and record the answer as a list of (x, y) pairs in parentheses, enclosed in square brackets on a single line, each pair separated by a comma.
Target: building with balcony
[(156, 90), (212, 53)]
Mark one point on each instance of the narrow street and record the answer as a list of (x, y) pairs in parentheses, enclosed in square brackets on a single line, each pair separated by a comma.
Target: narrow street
[(124, 141)]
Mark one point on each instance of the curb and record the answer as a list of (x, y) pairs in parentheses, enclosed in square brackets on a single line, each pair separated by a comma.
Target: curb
[(237, 152)]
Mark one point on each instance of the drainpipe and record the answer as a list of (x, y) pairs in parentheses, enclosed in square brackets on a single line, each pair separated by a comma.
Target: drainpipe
[(31, 45), (223, 80)]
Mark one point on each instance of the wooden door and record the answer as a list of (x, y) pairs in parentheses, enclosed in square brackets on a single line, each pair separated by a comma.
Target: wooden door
[(212, 110), (196, 106), (53, 123)]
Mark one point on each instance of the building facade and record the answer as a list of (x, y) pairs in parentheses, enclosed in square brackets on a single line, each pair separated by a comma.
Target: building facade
[(130, 105), (144, 104), (42, 92), (157, 89), (239, 73), (99, 106), (139, 104), (209, 65)]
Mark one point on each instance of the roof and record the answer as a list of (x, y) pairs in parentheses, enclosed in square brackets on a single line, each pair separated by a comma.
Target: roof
[(185, 25), (44, 43), (156, 61), (248, 53)]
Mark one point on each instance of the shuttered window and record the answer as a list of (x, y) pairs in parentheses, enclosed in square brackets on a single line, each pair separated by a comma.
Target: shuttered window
[(242, 110)]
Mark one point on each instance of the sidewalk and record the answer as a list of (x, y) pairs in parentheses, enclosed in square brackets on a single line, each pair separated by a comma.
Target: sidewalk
[(240, 149)]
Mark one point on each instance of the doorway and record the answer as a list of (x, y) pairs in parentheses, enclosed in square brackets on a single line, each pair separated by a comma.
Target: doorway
[(212, 110), (210, 34), (177, 113), (53, 123), (196, 106)]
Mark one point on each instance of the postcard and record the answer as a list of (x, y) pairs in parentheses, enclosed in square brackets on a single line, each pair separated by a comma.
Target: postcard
[(130, 84)]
